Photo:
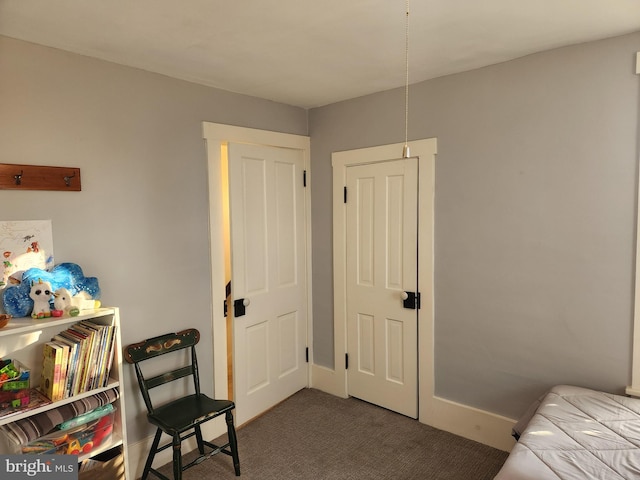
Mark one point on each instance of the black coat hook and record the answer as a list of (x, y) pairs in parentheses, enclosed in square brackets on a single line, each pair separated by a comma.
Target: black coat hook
[(18, 178)]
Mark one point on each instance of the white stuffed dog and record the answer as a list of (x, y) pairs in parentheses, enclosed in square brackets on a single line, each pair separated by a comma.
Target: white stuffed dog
[(41, 295)]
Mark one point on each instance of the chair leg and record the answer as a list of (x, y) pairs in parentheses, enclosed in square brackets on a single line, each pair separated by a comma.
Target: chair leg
[(177, 458), (199, 439), (233, 442), (152, 454)]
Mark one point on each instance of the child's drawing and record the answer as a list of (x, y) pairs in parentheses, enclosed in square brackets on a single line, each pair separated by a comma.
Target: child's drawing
[(23, 245)]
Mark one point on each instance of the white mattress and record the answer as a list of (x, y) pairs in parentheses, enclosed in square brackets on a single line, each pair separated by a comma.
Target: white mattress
[(578, 434)]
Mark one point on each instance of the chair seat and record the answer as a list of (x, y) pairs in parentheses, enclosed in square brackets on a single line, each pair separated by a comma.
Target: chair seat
[(180, 415)]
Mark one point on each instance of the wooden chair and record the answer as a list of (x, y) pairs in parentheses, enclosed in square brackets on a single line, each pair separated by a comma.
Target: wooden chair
[(180, 418)]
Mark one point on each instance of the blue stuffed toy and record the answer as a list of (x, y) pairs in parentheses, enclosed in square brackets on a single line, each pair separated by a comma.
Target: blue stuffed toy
[(18, 303)]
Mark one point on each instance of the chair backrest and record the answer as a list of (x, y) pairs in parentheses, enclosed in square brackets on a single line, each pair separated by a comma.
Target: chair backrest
[(154, 347)]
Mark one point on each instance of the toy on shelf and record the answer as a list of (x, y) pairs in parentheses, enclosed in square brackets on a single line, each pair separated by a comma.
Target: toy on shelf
[(14, 385), (40, 293), (75, 441), (18, 302), (86, 442), (8, 372), (67, 303)]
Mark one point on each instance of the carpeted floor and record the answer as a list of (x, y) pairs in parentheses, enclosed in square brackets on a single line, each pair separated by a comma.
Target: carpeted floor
[(314, 435)]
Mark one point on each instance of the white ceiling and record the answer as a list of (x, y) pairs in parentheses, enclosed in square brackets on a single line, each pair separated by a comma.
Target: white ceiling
[(310, 53)]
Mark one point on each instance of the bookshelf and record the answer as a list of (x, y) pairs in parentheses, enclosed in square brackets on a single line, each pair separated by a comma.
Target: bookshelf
[(23, 339)]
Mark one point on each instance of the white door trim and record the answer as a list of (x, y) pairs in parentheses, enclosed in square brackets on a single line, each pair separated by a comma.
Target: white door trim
[(425, 150), (634, 388), (486, 427), (216, 136)]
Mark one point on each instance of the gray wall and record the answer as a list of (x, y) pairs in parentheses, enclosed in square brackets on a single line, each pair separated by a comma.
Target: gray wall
[(140, 223), (535, 203), (534, 218)]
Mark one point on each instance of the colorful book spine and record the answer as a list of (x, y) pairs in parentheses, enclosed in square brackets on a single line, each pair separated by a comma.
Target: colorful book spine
[(77, 360), (86, 361), (64, 361), (110, 354), (81, 361), (71, 363), (105, 351), (90, 361), (99, 339), (50, 379)]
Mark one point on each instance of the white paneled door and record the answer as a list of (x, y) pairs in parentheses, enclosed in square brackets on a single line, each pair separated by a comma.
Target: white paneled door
[(382, 264), (267, 217)]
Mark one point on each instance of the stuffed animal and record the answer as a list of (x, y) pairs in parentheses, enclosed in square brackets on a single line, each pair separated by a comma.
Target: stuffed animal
[(65, 301), (61, 299), (40, 293)]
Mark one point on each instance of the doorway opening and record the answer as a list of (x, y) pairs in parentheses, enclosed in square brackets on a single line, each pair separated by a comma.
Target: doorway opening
[(218, 139)]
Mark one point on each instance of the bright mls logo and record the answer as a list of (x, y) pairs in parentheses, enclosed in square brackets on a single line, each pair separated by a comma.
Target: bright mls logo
[(39, 467)]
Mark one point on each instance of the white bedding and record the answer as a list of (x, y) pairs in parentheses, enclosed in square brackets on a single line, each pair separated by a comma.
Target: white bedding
[(578, 434)]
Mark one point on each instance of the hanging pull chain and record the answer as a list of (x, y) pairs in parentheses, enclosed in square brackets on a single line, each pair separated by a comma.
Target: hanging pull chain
[(405, 151)]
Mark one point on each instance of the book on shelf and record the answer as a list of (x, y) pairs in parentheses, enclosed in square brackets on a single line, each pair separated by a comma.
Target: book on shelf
[(99, 349), (104, 351), (64, 363), (50, 381), (90, 349), (71, 364), (110, 355), (78, 360), (84, 359), (89, 371)]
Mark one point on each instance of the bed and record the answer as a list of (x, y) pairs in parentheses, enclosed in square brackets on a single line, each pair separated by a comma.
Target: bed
[(574, 433)]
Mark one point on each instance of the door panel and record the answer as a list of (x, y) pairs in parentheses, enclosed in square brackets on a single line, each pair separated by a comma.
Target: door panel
[(288, 342), (366, 348), (286, 227), (249, 208), (257, 349), (381, 247), (267, 208)]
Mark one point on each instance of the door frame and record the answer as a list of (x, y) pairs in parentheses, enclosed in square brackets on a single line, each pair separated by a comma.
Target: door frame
[(426, 150), (216, 137)]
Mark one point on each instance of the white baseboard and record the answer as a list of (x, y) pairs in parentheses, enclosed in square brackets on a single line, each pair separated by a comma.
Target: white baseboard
[(137, 452), (633, 391), (463, 420), (472, 423)]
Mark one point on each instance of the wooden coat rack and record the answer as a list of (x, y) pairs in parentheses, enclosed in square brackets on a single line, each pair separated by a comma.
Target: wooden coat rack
[(37, 177)]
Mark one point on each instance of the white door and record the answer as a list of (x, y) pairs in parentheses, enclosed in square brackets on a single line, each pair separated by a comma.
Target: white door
[(382, 263), (267, 219)]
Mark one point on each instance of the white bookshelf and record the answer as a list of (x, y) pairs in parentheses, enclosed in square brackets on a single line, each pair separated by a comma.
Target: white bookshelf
[(23, 338)]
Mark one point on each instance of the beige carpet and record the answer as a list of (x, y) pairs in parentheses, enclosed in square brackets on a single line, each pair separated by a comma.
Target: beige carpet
[(314, 435)]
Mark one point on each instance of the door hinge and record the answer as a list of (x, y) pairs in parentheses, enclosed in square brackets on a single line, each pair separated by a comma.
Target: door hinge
[(306, 354), (412, 301), (346, 361), (345, 194), (304, 178)]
